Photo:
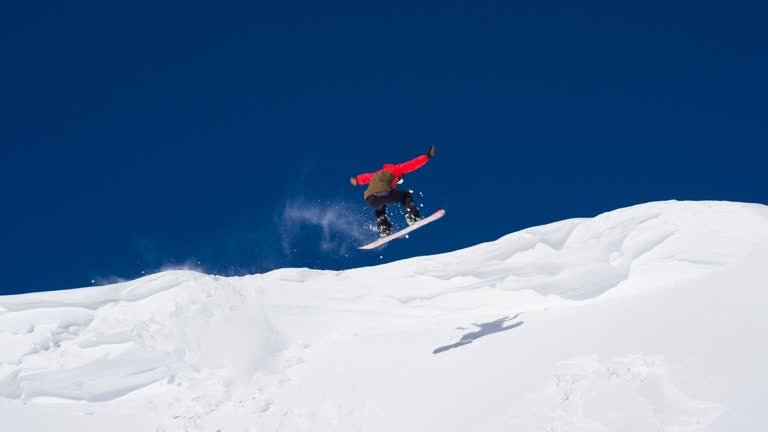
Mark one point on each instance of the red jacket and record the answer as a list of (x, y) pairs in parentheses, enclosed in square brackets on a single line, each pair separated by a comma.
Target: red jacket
[(397, 170)]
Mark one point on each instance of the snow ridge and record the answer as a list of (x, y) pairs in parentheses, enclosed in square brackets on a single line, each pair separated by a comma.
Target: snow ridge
[(580, 325)]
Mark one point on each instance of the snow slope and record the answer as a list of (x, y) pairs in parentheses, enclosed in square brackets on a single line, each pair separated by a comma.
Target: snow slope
[(648, 318)]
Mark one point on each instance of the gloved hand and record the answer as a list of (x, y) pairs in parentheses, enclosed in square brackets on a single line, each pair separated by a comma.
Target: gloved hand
[(353, 180), (431, 152)]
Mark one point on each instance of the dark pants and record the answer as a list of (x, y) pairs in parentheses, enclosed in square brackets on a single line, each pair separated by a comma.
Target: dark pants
[(380, 201)]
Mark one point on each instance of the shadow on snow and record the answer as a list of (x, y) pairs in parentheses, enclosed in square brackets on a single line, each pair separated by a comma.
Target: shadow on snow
[(486, 329)]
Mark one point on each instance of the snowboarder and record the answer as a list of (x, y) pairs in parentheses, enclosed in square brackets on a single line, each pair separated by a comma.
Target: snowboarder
[(381, 191)]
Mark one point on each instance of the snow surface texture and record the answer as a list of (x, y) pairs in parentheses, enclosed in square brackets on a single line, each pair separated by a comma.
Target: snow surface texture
[(649, 318)]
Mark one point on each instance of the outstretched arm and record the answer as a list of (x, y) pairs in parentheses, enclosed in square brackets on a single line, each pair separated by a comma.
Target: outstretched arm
[(414, 164)]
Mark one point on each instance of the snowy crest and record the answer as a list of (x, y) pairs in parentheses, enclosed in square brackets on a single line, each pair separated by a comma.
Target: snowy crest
[(642, 319)]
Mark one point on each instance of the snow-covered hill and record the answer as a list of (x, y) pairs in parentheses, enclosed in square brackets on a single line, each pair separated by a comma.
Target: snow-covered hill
[(649, 318)]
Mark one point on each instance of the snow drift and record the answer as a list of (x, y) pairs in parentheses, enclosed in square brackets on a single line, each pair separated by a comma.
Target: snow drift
[(643, 319)]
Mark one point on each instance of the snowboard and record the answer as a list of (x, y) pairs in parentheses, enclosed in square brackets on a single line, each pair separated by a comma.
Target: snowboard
[(433, 217)]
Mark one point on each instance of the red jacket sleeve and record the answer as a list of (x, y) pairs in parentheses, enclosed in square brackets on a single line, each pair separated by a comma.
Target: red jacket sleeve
[(411, 165), (364, 178)]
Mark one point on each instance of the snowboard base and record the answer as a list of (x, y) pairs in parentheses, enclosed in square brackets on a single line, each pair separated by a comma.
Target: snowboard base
[(433, 217)]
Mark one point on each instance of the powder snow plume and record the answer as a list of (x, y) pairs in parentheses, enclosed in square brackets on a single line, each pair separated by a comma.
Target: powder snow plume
[(342, 225)]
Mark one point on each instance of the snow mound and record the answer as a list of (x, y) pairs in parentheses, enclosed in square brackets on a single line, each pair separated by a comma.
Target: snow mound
[(633, 393), (640, 319), (98, 344)]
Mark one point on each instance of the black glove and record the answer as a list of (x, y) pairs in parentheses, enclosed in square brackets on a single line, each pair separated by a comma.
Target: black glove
[(431, 152)]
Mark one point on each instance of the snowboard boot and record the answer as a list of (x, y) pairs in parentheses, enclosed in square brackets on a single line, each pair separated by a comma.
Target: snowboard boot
[(384, 226), (412, 215)]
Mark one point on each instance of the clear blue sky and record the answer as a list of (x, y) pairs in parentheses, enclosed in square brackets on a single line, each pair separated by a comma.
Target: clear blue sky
[(135, 136)]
